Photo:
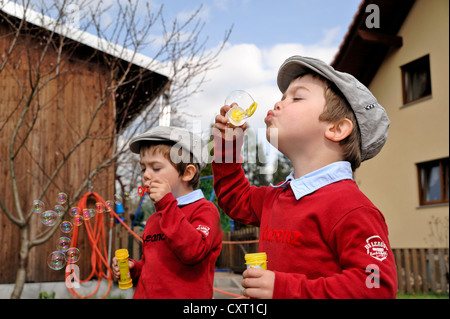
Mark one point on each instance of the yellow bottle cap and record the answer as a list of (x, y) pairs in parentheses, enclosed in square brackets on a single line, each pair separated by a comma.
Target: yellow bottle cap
[(122, 253)]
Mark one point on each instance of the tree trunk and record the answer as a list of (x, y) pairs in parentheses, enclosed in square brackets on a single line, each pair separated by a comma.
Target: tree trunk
[(21, 274)]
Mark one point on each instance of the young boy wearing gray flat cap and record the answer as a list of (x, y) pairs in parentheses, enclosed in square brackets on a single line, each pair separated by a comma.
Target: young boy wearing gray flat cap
[(183, 238), (322, 236)]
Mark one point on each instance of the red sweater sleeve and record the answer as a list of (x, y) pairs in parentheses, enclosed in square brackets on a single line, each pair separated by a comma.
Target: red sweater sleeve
[(235, 196), (135, 272), (362, 275), (191, 240)]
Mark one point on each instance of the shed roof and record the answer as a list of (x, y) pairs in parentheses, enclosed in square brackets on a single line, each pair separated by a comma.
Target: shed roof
[(156, 81)]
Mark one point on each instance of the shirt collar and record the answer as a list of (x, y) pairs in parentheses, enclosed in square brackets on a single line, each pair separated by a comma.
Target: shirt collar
[(324, 176), (190, 198)]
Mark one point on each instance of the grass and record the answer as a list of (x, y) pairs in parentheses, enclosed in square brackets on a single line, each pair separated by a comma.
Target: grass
[(422, 296)]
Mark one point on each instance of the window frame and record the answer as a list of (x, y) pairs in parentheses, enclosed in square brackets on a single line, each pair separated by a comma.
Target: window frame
[(406, 69), (443, 164)]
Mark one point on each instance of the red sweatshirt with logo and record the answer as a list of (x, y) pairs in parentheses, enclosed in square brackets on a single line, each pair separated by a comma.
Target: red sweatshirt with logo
[(332, 243), (180, 248)]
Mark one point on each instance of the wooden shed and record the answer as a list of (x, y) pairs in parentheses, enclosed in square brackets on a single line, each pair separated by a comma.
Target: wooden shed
[(65, 97)]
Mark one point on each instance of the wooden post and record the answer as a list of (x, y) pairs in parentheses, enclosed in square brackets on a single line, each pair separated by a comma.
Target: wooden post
[(423, 266), (398, 261), (407, 271), (415, 265)]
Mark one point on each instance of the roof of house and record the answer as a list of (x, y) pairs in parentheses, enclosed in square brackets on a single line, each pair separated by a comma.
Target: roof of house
[(365, 45), (82, 37), (155, 77)]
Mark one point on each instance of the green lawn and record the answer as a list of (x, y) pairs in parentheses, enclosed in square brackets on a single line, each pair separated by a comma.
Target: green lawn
[(422, 296)]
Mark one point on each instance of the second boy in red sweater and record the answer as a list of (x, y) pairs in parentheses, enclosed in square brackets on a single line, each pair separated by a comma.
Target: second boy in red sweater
[(183, 238)]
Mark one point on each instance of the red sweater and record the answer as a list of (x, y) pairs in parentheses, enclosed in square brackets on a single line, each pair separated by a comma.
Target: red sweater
[(332, 243), (180, 248)]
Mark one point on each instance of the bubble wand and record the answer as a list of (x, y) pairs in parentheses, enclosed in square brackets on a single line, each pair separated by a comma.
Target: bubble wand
[(237, 115)]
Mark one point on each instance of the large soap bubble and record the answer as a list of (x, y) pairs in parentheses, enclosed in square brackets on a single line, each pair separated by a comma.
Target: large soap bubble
[(56, 260), (63, 244), (49, 218), (72, 255), (74, 211), (66, 227), (37, 206), (78, 220), (59, 210), (61, 198)]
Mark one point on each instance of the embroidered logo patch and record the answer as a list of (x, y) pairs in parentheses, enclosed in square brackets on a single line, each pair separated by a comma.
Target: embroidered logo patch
[(376, 248), (203, 229)]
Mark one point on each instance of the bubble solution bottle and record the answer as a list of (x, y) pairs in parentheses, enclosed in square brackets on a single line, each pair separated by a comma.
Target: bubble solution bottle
[(125, 280), (257, 260)]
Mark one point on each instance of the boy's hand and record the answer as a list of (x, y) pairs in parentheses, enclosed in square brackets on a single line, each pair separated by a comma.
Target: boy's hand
[(258, 283), (159, 187), (115, 268), (223, 129)]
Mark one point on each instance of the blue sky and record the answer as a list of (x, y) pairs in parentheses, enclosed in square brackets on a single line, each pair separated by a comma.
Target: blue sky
[(265, 23)]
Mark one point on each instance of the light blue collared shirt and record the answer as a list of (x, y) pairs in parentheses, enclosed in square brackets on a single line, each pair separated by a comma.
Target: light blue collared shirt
[(190, 198), (324, 176)]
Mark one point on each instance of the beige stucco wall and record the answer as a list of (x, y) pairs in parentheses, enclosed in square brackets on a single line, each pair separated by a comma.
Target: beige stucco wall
[(419, 132)]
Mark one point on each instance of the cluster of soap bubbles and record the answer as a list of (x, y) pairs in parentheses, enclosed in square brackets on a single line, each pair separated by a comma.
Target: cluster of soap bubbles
[(50, 217), (65, 253), (58, 258)]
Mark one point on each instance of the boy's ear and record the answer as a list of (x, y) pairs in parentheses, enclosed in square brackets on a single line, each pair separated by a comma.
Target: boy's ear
[(189, 173), (337, 131)]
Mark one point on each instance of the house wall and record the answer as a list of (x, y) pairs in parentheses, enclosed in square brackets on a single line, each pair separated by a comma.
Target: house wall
[(65, 108), (419, 132)]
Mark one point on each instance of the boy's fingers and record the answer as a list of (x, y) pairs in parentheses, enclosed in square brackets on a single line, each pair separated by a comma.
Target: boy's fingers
[(253, 273), (250, 292), (158, 180), (224, 109), (251, 278)]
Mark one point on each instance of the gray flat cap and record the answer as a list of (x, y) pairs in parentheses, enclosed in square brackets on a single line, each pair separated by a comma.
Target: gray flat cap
[(372, 119), (181, 138)]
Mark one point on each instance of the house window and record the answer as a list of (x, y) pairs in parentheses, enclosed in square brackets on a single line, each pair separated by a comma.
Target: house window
[(433, 182), (416, 80)]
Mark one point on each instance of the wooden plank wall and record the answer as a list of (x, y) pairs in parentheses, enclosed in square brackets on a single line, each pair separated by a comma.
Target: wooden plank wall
[(422, 270), (65, 108)]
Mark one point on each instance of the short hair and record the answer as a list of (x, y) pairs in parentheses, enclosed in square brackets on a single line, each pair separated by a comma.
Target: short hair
[(185, 159), (337, 108)]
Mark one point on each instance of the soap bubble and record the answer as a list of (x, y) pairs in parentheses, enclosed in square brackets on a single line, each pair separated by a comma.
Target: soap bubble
[(78, 220), (72, 255), (99, 208), (109, 205), (63, 244), (37, 206), (59, 210), (56, 260), (48, 218), (61, 198), (74, 211), (86, 214), (66, 227)]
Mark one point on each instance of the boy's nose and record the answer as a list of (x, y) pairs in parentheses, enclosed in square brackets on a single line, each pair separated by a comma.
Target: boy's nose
[(277, 106), (147, 176)]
